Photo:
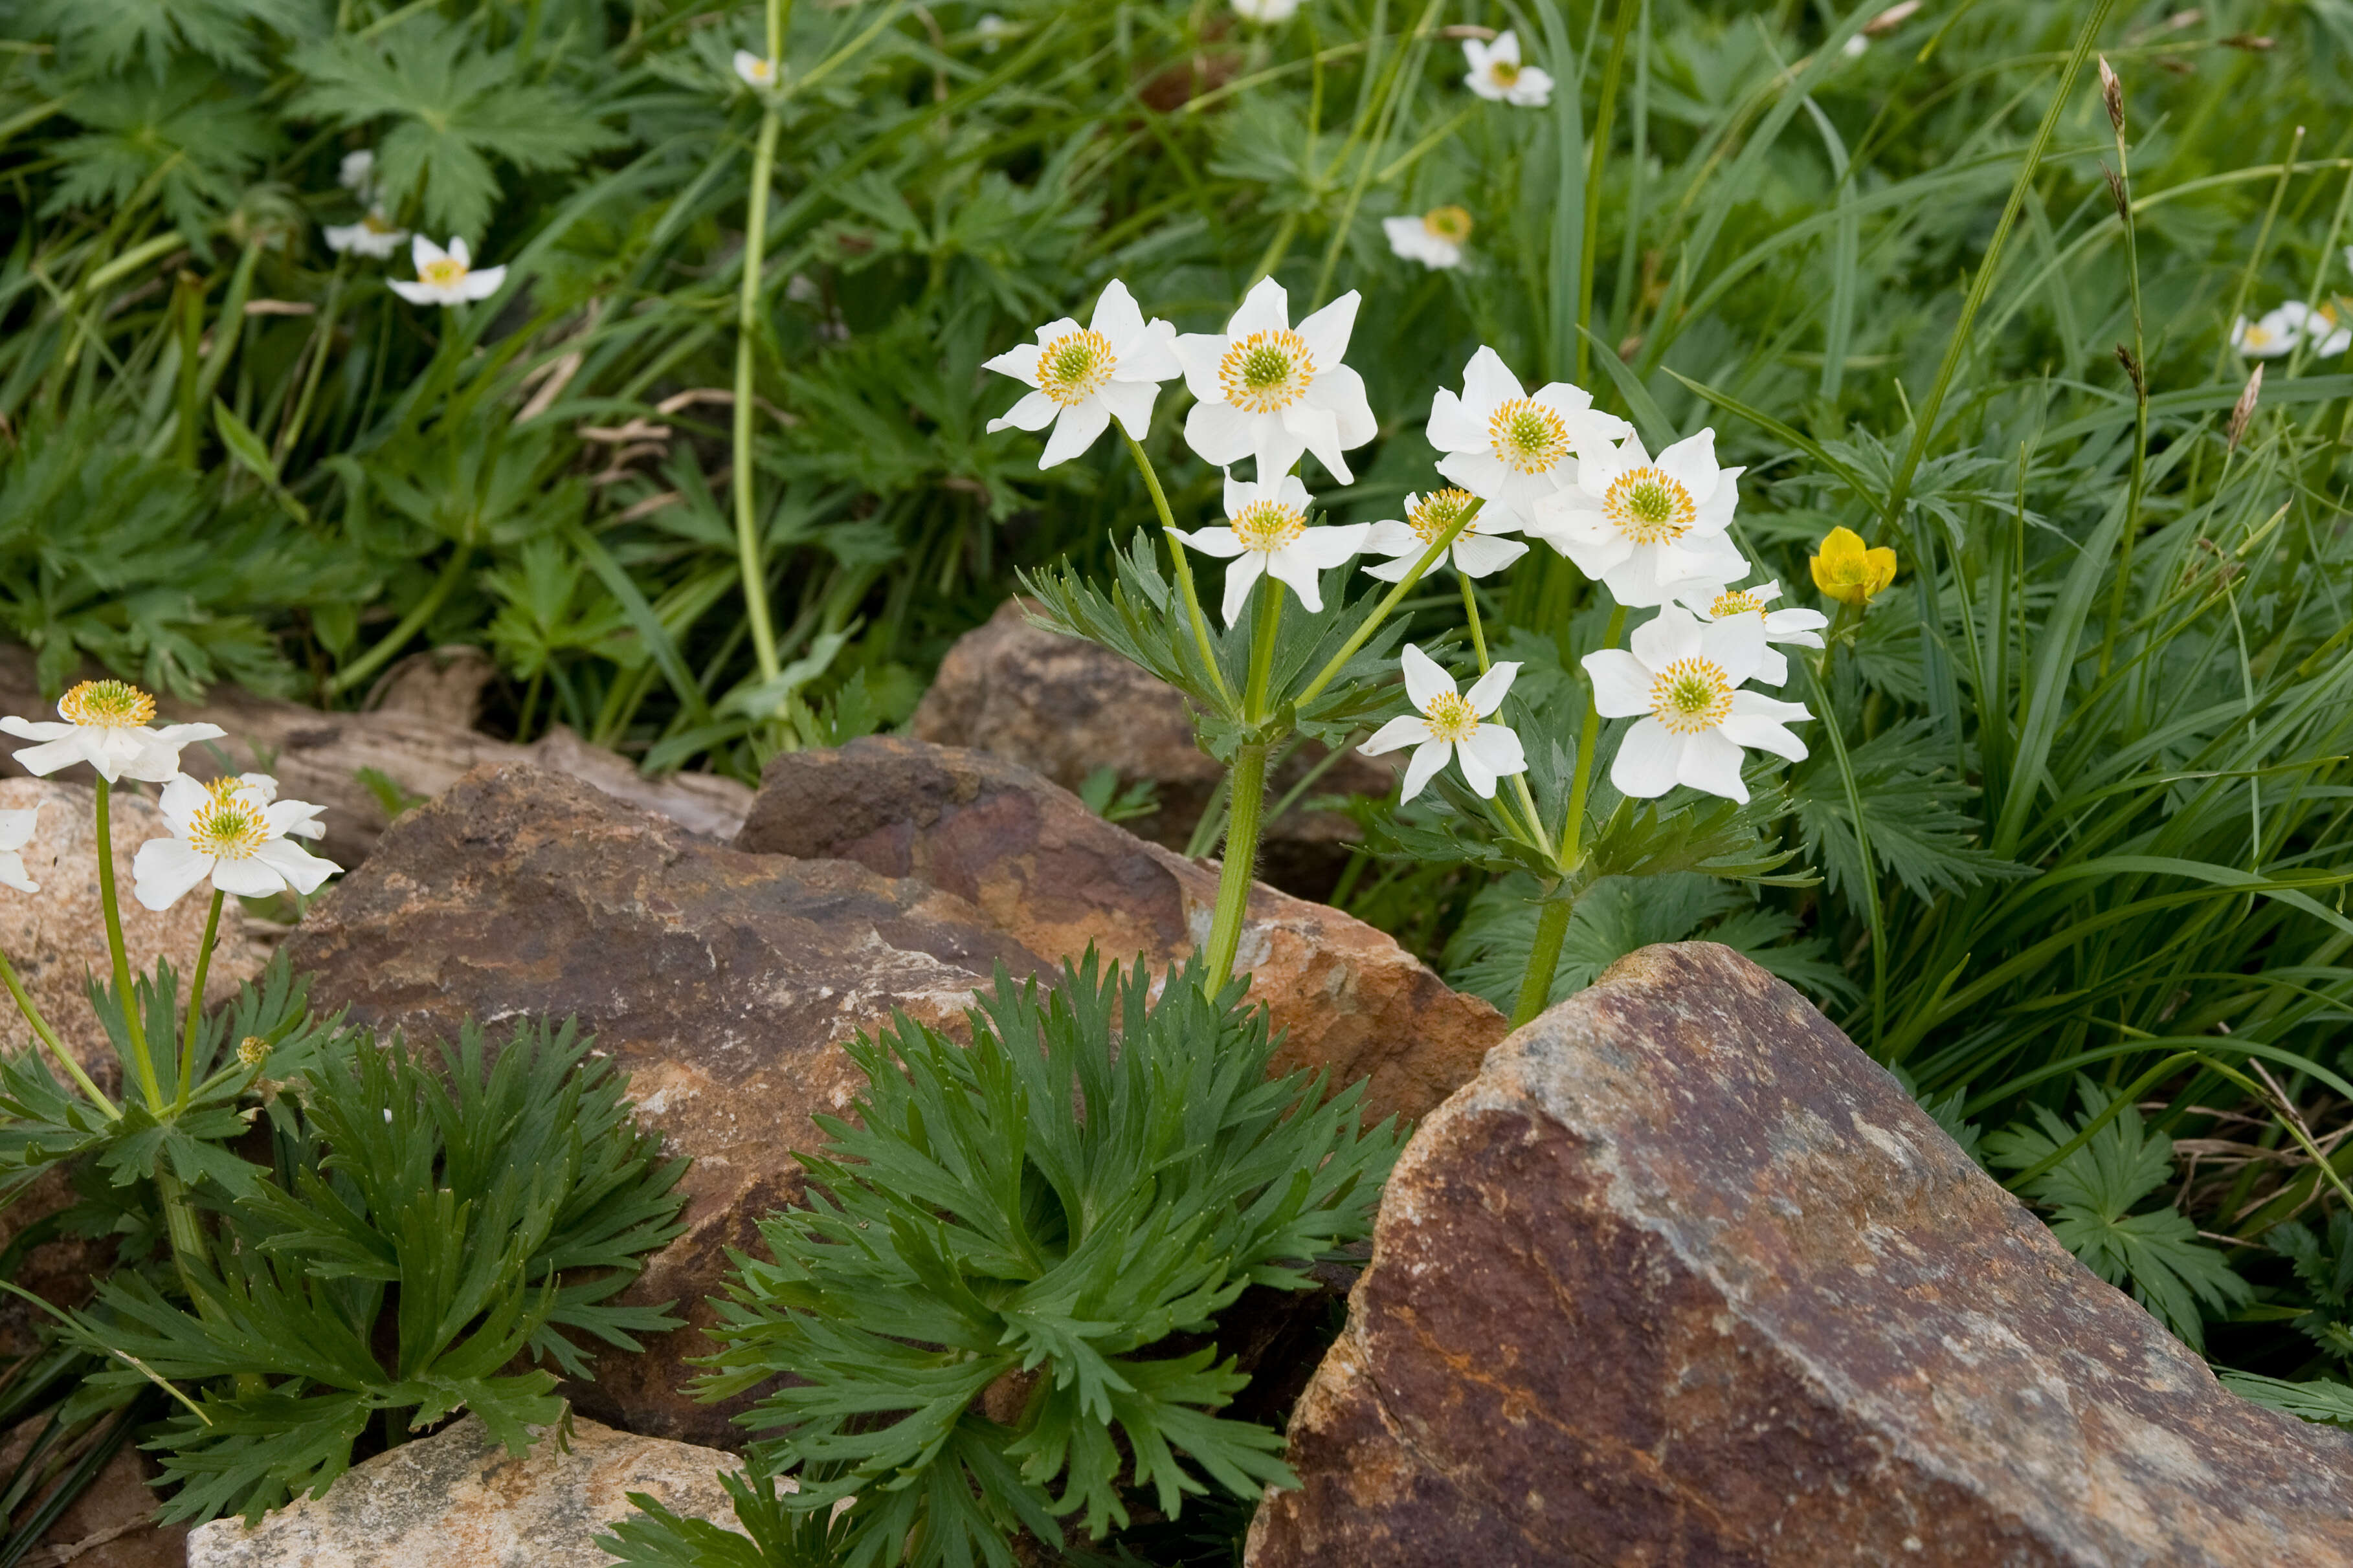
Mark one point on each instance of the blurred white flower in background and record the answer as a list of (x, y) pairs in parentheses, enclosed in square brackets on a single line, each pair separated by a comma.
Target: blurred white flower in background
[(1269, 392), (1683, 675), (992, 29), (1266, 533), (372, 236), (16, 832), (1266, 12), (1497, 75), (447, 276), (758, 74), (1435, 240), (106, 725), (237, 831), (1648, 531), (2273, 336), (1445, 725), (1084, 377), (358, 175)]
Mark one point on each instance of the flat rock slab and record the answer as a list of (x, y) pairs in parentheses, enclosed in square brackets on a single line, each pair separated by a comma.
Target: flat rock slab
[(458, 1500), (722, 983), (1683, 1277), (1055, 876)]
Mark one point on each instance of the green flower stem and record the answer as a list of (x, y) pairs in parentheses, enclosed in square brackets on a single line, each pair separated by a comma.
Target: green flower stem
[(2141, 415), (1183, 564), (1390, 602), (134, 1024), (453, 572), (1543, 959), (1588, 740), (1542, 840), (1249, 798), (197, 1005), (749, 558), (1261, 664), (180, 1225), (48, 1036)]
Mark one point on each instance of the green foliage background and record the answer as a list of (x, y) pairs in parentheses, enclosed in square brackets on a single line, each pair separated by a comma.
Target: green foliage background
[(2079, 793)]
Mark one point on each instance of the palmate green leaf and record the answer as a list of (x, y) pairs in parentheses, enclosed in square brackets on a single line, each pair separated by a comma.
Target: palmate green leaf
[(189, 142), (102, 35), (2322, 1399), (1915, 812), (2092, 1193), (454, 106), (774, 1535)]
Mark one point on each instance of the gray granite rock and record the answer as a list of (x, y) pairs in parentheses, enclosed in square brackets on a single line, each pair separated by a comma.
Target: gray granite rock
[(458, 1500)]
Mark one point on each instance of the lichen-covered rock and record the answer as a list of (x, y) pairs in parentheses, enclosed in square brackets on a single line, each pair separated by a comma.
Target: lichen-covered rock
[(1683, 1277), (1064, 706), (723, 983), (1055, 876), (458, 1500)]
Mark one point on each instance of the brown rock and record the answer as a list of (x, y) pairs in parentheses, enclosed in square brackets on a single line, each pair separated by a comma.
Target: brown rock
[(1055, 876), (721, 981), (458, 1500), (1065, 707), (419, 740), (1682, 1278)]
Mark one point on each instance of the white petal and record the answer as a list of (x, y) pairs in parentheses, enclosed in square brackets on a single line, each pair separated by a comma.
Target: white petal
[(1298, 568), (16, 827), (1425, 682), (1691, 463), (177, 735), (1020, 362), (1773, 669), (1327, 546), (1452, 427), (1116, 316), (1220, 541), (301, 870), (1476, 555), (1712, 763), (36, 729), (1533, 90), (1327, 331), (1765, 735), (181, 799), (1392, 537), (165, 869), (423, 253), (1199, 353), (1341, 391), (458, 253), (418, 293), (248, 879), (1393, 569), (1316, 429), (1647, 760), (1265, 308), (1475, 772), (46, 758), (1131, 403), (1219, 433), (1034, 412), (1672, 633), (1487, 385), (1245, 572), (1738, 645), (1487, 692), (1074, 432), (481, 283), (13, 872), (1406, 729), (1621, 687), (1150, 356), (1427, 760), (1498, 746)]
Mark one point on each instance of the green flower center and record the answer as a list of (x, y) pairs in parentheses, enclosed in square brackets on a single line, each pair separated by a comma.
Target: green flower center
[(1649, 507), (107, 705), (1074, 367), (1691, 695), (1266, 372)]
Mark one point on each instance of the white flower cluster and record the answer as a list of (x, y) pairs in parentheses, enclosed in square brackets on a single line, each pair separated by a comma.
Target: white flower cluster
[(2277, 333), (1546, 464), (233, 831), (443, 277)]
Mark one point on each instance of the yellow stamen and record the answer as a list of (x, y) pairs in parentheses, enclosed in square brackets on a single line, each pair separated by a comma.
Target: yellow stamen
[(1434, 513), (1649, 506), (1266, 372), (1269, 525), (376, 223), (1691, 695), (1736, 602), (1502, 73), (228, 826), (1528, 437), (1451, 718), (442, 273), (1450, 224), (107, 705), (1074, 367)]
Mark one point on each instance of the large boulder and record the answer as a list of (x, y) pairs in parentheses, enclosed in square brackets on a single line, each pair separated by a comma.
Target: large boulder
[(1065, 707), (722, 982), (1054, 877), (1683, 1277), (458, 1500)]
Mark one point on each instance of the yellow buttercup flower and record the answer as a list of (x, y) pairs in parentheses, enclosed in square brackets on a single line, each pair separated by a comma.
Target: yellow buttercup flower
[(1848, 572)]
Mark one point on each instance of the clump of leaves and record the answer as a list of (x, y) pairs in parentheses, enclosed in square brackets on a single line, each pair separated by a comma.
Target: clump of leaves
[(424, 1222), (1039, 1211), (2093, 1192)]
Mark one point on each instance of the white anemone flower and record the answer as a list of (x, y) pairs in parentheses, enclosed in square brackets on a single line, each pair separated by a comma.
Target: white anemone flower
[(1266, 13), (1497, 75), (372, 236), (2324, 327), (1683, 677), (1268, 392), (1647, 530), (1513, 449), (2274, 336), (1266, 533), (447, 276), (106, 725), (1084, 377), (1799, 628), (16, 832), (758, 72), (235, 831), (1435, 240), (1476, 552), (1445, 725), (358, 175), (991, 30)]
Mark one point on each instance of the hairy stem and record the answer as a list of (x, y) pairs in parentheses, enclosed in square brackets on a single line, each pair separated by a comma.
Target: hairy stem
[(197, 1004), (749, 558), (134, 1024), (1247, 780), (1544, 958)]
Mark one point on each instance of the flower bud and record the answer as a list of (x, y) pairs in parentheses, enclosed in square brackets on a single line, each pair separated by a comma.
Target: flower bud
[(2243, 411), (2116, 192), (251, 1052), (2112, 93), (2132, 369), (1850, 573)]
